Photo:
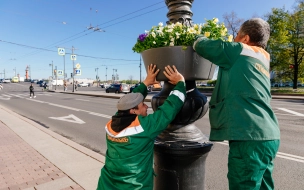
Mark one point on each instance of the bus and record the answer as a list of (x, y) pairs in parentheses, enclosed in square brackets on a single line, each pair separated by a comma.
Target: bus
[(15, 79)]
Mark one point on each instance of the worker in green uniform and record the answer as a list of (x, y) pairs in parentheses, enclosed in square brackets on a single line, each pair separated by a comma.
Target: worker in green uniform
[(131, 132), (240, 109)]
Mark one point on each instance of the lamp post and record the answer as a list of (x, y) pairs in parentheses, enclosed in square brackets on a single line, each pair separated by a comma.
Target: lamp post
[(181, 150), (113, 76), (51, 64), (15, 71), (97, 77), (106, 72), (51, 83), (140, 69)]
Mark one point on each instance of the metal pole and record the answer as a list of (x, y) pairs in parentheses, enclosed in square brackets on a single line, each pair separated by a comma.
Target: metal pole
[(30, 68), (180, 151), (56, 77), (106, 74), (64, 68), (97, 77), (4, 74), (52, 71), (139, 68), (73, 68)]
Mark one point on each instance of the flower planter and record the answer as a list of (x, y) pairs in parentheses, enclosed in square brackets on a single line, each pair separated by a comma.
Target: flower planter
[(187, 61)]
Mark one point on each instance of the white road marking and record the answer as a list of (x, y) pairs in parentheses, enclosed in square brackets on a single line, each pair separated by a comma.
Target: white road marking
[(16, 95), (62, 106), (6, 95), (279, 154), (70, 118), (3, 98), (83, 100), (292, 112), (31, 99), (101, 115)]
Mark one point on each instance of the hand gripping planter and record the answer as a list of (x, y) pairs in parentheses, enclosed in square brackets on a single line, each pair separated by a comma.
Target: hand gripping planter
[(187, 61), (180, 151)]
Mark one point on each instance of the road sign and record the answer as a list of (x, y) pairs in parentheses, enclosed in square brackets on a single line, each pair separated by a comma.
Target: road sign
[(61, 51), (59, 72), (77, 71), (73, 57), (77, 66)]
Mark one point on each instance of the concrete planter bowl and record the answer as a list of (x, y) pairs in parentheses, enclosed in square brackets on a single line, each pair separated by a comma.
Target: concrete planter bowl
[(187, 61)]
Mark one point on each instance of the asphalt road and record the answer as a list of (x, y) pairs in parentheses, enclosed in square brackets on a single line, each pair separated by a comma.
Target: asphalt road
[(82, 119)]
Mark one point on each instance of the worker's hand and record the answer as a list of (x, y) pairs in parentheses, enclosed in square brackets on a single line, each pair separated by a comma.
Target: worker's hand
[(151, 75), (173, 75)]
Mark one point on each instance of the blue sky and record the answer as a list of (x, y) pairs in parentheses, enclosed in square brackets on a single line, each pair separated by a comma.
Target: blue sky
[(31, 31)]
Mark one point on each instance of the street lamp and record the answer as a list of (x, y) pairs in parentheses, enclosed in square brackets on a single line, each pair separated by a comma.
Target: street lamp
[(106, 72), (97, 77), (15, 70), (113, 76), (51, 64)]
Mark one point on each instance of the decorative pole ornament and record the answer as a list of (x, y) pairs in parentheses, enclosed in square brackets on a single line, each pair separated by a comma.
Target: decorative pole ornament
[(180, 11)]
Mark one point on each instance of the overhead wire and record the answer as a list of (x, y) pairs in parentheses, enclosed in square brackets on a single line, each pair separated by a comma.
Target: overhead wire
[(63, 41), (43, 49)]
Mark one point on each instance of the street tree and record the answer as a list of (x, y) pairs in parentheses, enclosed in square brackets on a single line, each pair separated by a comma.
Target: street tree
[(286, 43), (232, 23)]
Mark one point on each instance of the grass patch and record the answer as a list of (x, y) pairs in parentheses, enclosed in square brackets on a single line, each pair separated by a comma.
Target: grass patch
[(286, 90)]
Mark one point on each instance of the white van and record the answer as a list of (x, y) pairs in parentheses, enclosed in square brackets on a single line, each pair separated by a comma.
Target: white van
[(58, 83)]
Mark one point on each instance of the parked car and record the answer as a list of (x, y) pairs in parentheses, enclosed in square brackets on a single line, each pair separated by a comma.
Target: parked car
[(104, 85), (118, 88), (149, 88), (83, 85), (39, 82), (156, 87), (132, 87), (6, 81)]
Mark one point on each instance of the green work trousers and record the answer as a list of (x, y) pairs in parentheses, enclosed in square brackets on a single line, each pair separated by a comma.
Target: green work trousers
[(250, 164)]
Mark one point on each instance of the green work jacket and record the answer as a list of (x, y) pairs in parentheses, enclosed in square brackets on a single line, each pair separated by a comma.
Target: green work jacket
[(240, 104), (129, 156)]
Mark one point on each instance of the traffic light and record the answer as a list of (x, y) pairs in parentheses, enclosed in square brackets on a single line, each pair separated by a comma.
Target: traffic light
[(55, 71)]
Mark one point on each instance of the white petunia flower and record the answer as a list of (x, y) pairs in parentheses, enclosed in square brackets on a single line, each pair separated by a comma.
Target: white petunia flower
[(154, 42), (153, 34), (160, 24), (171, 43), (191, 30)]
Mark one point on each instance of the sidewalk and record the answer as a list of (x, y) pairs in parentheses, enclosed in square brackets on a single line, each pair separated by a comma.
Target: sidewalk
[(35, 158)]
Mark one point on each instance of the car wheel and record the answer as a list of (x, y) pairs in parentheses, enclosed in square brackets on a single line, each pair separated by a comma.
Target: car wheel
[(107, 91)]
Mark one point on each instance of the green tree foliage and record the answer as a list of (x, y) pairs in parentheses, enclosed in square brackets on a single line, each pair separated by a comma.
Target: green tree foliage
[(130, 81), (286, 43)]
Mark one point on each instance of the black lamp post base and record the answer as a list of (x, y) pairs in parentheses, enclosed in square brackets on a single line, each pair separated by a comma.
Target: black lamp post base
[(180, 167)]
